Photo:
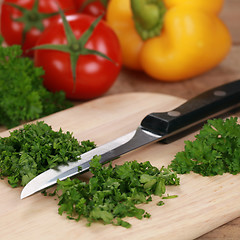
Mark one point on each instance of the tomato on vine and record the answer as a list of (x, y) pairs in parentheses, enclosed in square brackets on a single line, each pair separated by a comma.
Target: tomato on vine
[(80, 54), (22, 22)]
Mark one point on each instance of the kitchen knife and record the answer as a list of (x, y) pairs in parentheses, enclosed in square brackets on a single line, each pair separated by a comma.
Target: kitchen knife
[(154, 127)]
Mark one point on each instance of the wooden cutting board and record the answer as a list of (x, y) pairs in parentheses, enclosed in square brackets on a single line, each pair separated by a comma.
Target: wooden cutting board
[(203, 203)]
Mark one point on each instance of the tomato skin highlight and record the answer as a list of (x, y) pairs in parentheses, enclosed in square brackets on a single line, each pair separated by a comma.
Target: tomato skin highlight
[(95, 8), (12, 31), (94, 74)]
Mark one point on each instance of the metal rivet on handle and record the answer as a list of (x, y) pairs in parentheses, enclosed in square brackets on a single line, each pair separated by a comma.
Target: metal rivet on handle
[(174, 113), (220, 93)]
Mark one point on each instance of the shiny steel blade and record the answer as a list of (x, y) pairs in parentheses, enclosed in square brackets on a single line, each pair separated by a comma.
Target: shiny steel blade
[(108, 151), (163, 124)]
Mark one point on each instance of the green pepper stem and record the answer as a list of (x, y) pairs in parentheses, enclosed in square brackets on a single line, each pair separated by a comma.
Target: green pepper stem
[(148, 17)]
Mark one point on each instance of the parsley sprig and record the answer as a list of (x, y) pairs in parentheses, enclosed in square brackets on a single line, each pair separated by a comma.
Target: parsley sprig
[(113, 192), (33, 149), (216, 150), (22, 94)]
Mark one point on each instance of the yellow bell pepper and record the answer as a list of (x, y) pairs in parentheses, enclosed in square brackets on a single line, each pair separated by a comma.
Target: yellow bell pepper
[(189, 40)]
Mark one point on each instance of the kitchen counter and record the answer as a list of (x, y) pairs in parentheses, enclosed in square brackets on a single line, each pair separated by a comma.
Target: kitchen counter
[(228, 70)]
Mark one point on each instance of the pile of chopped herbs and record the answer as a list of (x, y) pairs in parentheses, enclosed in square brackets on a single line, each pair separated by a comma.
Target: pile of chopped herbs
[(22, 94), (33, 149), (216, 150), (112, 193)]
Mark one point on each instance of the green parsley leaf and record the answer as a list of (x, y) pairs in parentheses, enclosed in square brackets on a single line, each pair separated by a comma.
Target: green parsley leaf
[(215, 150), (22, 94), (160, 203), (112, 193)]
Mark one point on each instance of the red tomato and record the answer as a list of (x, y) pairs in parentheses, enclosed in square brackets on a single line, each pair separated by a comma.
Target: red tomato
[(94, 74), (95, 8), (12, 30)]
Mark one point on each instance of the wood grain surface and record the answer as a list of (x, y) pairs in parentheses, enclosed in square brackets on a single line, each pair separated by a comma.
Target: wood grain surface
[(203, 203), (228, 70)]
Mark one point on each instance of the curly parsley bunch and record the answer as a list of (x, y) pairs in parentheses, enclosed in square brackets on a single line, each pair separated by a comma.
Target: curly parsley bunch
[(22, 94), (216, 150)]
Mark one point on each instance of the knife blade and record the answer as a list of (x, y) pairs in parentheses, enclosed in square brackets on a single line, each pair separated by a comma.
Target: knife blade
[(153, 128)]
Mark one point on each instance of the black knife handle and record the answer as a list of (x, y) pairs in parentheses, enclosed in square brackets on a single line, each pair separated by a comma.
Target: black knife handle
[(206, 105)]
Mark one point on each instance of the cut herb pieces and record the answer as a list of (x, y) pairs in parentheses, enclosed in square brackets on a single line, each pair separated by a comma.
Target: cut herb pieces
[(160, 203), (216, 150), (33, 149), (22, 94), (113, 192), (170, 196)]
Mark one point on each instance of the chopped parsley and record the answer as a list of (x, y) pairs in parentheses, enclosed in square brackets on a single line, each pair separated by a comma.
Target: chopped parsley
[(22, 94), (112, 193), (216, 150), (33, 149), (170, 196), (160, 203)]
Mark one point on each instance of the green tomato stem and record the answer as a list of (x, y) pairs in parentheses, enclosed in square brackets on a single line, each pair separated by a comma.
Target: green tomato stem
[(87, 2), (75, 47), (31, 18)]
